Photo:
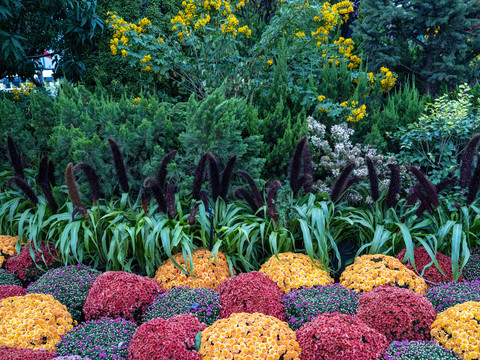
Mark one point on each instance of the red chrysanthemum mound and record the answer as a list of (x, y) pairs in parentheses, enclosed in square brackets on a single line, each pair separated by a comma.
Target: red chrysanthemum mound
[(12, 353), (399, 314), (28, 270), (119, 294), (431, 274), (11, 290), (171, 339), (252, 292), (338, 337)]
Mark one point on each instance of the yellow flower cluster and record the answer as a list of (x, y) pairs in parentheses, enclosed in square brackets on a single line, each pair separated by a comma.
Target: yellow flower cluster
[(25, 89), (7, 247), (121, 27), (345, 48), (358, 113), (389, 81), (331, 15), (292, 271), (34, 321), (200, 12), (245, 336), (206, 273), (136, 101), (370, 271), (458, 329)]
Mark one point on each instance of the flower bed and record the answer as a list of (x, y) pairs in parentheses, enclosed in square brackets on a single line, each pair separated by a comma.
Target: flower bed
[(370, 271), (250, 293), (7, 278), (471, 271), (303, 305), (338, 337), (207, 271), (202, 302), (11, 290), (13, 353), (419, 350), (119, 294), (69, 285), (292, 271), (444, 296), (7, 247), (399, 314), (171, 339)]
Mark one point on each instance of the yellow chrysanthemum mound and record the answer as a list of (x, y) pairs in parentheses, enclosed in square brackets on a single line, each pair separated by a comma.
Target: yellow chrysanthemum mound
[(458, 329), (33, 321), (206, 273), (292, 271), (7, 247), (370, 271), (245, 336)]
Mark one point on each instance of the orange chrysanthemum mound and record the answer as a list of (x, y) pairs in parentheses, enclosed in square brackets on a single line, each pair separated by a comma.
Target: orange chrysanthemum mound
[(34, 321), (7, 247), (370, 271), (293, 271), (245, 336), (206, 271), (458, 329)]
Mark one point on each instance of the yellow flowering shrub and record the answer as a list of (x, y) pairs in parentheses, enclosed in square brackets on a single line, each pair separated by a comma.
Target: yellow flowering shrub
[(292, 271), (458, 329), (7, 247), (33, 321), (206, 273), (245, 336), (389, 80), (370, 271), (24, 89)]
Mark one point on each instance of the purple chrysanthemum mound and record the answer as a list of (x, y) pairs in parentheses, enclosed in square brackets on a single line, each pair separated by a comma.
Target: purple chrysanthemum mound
[(471, 271), (250, 293), (29, 270), (305, 304), (67, 284), (431, 273), (204, 303), (71, 357), (171, 339), (120, 294), (338, 337), (7, 278), (11, 290), (12, 353), (103, 339), (419, 350), (444, 296), (399, 314)]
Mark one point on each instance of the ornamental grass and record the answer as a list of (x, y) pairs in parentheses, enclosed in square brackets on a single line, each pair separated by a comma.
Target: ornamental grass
[(245, 336), (119, 294), (444, 296), (431, 274), (339, 337), (252, 292), (102, 339), (399, 314), (293, 271), (29, 270), (207, 271), (7, 278), (370, 271), (67, 284), (419, 350), (7, 291), (204, 303), (33, 321), (304, 305), (13, 353), (458, 329), (171, 339)]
